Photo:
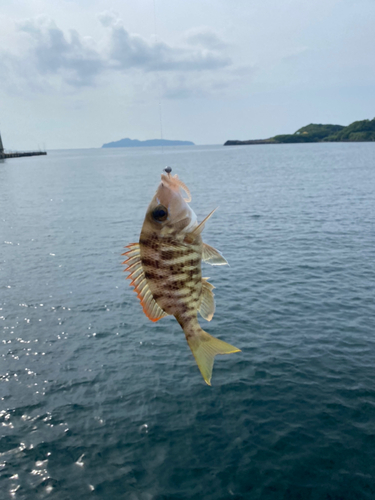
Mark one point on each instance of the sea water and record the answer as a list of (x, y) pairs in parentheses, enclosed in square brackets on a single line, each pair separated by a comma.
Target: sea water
[(97, 402)]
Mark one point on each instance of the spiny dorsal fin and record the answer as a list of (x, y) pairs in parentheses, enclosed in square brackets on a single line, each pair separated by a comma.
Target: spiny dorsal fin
[(213, 256), (190, 237), (134, 266), (207, 301)]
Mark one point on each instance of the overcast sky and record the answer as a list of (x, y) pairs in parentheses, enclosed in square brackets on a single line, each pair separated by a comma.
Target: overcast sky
[(78, 73)]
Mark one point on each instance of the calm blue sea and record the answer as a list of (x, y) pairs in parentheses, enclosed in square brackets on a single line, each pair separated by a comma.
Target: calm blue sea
[(97, 402)]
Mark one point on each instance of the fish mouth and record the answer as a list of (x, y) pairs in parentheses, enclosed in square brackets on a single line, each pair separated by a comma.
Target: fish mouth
[(175, 184)]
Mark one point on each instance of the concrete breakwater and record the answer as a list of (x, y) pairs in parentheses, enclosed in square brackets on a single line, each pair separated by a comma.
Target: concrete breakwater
[(3, 156), (18, 154), (244, 143)]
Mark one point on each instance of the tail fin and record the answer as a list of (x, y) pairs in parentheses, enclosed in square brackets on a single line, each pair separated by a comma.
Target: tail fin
[(204, 348)]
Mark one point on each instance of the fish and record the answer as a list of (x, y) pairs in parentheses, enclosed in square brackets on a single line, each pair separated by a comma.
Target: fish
[(165, 269)]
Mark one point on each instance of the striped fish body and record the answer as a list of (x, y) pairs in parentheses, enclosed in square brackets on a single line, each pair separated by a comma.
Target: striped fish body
[(172, 269), (165, 269)]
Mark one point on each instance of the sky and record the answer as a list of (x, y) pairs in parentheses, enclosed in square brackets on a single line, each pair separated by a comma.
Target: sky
[(80, 73)]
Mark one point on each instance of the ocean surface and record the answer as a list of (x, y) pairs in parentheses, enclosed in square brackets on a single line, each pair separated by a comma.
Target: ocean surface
[(97, 402)]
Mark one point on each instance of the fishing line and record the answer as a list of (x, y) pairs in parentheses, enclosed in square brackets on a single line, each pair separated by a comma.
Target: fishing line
[(158, 80)]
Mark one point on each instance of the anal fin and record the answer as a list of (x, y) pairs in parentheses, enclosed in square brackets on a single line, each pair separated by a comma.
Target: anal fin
[(207, 301)]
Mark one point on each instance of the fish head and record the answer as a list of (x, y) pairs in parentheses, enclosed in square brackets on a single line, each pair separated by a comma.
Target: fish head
[(169, 210)]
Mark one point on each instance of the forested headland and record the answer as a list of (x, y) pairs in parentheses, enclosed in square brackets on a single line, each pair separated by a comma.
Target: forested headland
[(360, 131)]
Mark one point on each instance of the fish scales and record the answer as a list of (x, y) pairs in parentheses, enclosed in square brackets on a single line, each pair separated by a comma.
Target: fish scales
[(170, 267), (165, 269)]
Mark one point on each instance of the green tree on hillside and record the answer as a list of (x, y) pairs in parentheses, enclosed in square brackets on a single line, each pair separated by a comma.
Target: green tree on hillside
[(363, 130)]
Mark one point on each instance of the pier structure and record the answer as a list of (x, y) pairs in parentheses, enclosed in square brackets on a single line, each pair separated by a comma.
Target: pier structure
[(18, 154)]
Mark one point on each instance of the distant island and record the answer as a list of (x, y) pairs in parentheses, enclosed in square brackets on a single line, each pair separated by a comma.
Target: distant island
[(361, 131), (134, 143)]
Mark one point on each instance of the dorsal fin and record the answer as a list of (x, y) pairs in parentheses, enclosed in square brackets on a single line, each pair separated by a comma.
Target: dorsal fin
[(134, 266), (207, 301), (190, 237), (213, 256)]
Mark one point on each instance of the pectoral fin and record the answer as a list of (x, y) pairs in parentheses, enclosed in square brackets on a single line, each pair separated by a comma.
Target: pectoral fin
[(213, 256)]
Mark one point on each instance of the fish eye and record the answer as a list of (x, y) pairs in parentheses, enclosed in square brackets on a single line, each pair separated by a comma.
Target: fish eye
[(160, 213)]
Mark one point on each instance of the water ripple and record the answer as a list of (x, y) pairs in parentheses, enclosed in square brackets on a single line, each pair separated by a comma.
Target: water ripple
[(98, 402)]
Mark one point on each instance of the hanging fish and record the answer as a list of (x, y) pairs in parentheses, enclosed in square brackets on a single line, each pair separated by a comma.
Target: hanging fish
[(165, 269)]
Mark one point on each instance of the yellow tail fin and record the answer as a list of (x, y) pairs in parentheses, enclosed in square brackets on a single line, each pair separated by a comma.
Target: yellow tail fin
[(204, 348)]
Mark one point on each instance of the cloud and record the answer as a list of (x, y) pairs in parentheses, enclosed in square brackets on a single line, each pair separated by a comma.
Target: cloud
[(132, 51), (128, 51), (51, 57), (109, 18), (206, 84), (205, 37), (73, 57)]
